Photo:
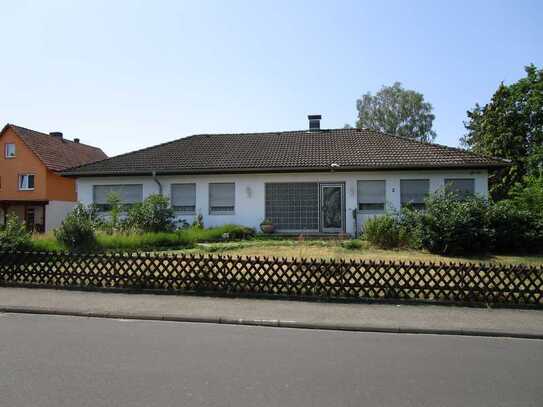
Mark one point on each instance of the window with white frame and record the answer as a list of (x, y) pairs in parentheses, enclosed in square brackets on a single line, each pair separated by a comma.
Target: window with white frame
[(26, 182), (222, 198), (413, 192), (371, 195), (461, 187), (129, 194), (9, 150), (183, 197)]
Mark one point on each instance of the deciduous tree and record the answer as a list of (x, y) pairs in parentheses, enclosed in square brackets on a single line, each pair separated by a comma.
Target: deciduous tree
[(510, 126), (396, 110)]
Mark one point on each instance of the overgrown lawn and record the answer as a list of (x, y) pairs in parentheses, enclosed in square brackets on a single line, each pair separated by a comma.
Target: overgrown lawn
[(212, 241), (184, 238), (332, 249)]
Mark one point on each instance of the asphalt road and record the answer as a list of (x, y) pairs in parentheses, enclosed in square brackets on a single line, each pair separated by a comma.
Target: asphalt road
[(69, 361)]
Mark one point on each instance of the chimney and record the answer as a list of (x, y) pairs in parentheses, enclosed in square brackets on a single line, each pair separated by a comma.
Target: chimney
[(56, 134), (314, 122), (76, 140)]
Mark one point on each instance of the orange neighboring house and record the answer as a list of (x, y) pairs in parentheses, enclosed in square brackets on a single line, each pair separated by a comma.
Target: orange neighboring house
[(30, 185)]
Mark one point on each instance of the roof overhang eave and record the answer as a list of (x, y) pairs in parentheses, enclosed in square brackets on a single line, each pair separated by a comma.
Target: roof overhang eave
[(197, 171)]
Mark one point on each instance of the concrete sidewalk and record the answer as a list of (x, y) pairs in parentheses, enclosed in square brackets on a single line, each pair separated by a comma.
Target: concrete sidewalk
[(295, 314)]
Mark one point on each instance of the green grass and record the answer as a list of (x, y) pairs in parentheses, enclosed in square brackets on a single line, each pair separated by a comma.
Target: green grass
[(45, 243), (142, 241)]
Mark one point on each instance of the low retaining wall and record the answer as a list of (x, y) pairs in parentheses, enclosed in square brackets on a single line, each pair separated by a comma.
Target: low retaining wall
[(273, 277)]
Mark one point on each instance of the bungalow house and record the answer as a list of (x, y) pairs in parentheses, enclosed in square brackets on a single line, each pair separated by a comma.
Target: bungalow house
[(309, 181), (30, 184)]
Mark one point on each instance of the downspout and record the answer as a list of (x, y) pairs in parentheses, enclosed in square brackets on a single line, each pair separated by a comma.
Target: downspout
[(157, 182), (355, 217)]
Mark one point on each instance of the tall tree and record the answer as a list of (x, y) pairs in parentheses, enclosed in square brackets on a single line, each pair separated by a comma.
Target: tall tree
[(396, 110), (510, 126)]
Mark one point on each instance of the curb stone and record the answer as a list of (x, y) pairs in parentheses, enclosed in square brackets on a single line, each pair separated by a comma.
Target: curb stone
[(267, 323)]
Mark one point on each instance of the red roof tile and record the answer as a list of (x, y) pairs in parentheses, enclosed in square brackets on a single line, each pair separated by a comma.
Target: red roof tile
[(56, 153)]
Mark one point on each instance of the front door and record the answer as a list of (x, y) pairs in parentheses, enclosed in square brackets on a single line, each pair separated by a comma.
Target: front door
[(34, 217), (30, 217), (332, 208)]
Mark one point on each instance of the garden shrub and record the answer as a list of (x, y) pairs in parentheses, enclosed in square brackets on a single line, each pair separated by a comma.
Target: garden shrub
[(77, 230), (515, 229), (112, 223), (528, 195), (237, 232), (218, 233), (153, 215), (93, 213), (383, 231), (14, 235), (410, 233), (450, 225), (353, 244), (180, 224)]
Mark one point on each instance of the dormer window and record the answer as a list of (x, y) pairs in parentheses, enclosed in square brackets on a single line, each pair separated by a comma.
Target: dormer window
[(9, 150)]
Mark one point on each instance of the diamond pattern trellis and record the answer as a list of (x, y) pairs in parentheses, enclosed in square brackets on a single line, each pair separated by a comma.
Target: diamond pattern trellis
[(261, 276)]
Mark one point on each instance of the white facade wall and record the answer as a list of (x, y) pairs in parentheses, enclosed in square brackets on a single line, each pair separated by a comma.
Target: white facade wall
[(55, 212), (249, 189)]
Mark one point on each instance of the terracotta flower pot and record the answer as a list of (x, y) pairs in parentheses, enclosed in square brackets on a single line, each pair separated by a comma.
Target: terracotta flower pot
[(267, 228)]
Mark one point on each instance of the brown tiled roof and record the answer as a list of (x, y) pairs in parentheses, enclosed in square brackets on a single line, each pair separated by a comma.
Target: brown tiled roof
[(351, 149), (55, 153)]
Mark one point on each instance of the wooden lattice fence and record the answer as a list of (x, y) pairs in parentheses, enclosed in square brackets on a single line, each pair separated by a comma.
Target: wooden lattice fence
[(261, 276)]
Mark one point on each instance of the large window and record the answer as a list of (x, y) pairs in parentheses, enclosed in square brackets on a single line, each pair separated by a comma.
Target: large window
[(371, 195), (26, 182), (9, 150), (414, 191), (461, 187), (293, 206), (184, 198), (222, 198), (128, 194)]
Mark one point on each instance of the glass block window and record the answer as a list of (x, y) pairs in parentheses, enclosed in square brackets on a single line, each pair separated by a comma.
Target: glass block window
[(461, 187), (371, 195), (129, 194), (222, 198), (293, 206), (414, 191), (183, 198)]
